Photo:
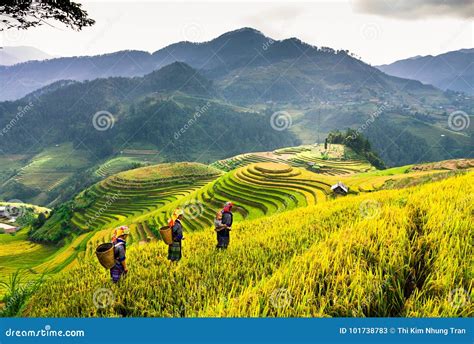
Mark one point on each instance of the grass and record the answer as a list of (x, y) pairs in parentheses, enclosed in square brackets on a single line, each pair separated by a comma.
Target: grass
[(405, 258), (17, 252)]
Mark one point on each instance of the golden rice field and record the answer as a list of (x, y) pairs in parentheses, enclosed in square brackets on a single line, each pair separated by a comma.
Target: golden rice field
[(404, 252)]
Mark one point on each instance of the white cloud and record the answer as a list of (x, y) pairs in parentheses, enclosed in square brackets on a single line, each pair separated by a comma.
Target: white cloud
[(415, 9)]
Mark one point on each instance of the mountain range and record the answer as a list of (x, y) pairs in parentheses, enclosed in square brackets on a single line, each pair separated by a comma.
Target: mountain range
[(247, 65), (241, 92), (453, 70)]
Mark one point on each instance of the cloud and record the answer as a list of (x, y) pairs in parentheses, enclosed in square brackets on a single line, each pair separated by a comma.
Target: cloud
[(416, 9)]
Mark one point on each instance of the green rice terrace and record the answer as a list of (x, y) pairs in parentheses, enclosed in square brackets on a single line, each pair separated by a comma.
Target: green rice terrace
[(257, 190), (127, 159), (335, 160), (261, 185), (132, 193)]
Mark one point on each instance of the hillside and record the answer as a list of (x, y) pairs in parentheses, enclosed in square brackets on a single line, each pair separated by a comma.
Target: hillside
[(158, 110), (250, 93), (380, 254), (449, 71), (123, 196), (148, 195), (160, 117)]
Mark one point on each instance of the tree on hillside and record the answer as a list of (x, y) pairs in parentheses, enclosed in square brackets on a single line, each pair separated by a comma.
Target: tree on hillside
[(358, 143), (24, 14)]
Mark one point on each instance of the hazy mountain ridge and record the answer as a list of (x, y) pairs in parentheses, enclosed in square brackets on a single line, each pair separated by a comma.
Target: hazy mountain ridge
[(452, 70), (10, 55), (219, 59)]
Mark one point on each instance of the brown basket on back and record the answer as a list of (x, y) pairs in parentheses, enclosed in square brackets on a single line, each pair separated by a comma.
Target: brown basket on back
[(105, 254), (167, 235)]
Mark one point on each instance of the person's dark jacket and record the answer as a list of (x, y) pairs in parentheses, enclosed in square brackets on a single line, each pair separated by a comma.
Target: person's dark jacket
[(177, 231), (227, 219), (119, 251)]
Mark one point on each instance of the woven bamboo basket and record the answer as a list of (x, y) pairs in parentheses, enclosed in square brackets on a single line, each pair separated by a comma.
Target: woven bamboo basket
[(105, 254), (166, 235)]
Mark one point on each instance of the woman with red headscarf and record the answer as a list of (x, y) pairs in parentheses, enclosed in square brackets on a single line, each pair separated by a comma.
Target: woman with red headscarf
[(223, 234)]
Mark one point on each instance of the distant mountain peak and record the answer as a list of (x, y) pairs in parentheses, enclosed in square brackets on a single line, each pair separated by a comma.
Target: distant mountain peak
[(11, 55), (243, 30), (451, 70)]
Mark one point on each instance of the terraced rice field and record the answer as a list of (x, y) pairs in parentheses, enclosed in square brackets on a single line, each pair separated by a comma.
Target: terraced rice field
[(44, 173), (18, 253), (257, 190), (312, 157), (9, 164), (332, 167), (55, 164), (126, 160), (132, 193), (404, 259)]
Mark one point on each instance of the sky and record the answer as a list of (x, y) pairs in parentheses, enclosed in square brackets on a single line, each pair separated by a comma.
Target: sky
[(378, 31)]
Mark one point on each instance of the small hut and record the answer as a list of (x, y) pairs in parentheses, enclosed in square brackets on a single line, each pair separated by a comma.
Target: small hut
[(8, 229), (340, 189)]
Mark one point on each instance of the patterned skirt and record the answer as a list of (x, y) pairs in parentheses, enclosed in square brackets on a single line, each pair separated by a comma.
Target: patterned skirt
[(175, 251), (116, 272)]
